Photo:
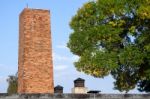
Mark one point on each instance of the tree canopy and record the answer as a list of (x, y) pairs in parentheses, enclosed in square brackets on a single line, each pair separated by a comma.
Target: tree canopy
[(112, 37), (12, 84)]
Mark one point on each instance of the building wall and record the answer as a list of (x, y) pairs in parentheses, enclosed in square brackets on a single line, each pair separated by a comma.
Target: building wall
[(35, 67), (81, 90), (76, 96)]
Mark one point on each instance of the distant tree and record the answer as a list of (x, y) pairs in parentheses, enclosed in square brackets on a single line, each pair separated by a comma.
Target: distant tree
[(113, 37), (12, 84)]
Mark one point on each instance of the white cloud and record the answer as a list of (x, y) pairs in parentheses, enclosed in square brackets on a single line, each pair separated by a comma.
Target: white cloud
[(3, 79), (60, 71), (59, 75), (60, 67), (7, 70), (75, 58), (62, 46), (58, 57), (3, 84), (6, 67)]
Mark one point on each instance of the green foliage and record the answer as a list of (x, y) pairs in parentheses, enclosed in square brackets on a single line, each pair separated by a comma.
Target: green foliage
[(144, 85), (12, 84), (112, 37)]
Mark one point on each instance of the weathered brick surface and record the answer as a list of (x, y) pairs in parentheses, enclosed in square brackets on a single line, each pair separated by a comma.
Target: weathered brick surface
[(35, 67)]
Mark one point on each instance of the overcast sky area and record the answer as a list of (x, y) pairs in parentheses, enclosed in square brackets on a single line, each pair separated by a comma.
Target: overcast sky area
[(64, 70)]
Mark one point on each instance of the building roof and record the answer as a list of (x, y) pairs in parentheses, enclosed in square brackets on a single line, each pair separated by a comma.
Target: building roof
[(59, 87), (94, 91), (79, 79)]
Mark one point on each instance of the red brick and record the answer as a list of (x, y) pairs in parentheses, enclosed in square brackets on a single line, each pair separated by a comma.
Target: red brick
[(35, 66)]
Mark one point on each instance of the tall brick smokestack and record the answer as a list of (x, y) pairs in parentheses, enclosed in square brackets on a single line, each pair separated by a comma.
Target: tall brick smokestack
[(35, 65)]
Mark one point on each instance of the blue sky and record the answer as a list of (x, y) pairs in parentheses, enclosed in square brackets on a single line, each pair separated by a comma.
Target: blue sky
[(61, 14)]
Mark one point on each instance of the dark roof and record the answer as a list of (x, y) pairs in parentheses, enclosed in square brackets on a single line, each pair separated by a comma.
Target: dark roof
[(58, 86), (79, 79), (94, 91)]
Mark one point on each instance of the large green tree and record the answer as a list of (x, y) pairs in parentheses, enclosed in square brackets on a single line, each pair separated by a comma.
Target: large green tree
[(113, 37)]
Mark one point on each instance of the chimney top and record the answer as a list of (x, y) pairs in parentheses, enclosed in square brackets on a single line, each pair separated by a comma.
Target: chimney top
[(79, 79)]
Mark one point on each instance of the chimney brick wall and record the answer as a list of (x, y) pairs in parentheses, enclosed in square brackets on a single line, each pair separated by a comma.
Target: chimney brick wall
[(35, 66)]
